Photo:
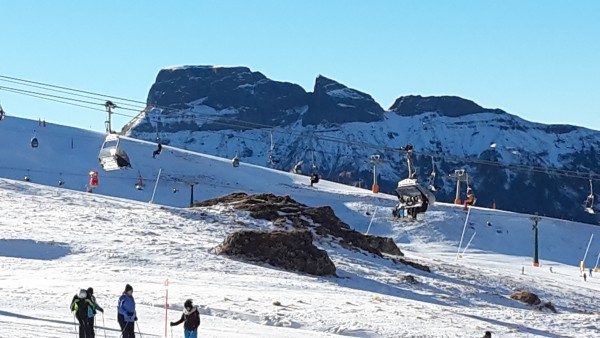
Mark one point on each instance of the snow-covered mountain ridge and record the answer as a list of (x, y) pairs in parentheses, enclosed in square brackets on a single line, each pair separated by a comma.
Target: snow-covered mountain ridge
[(224, 111)]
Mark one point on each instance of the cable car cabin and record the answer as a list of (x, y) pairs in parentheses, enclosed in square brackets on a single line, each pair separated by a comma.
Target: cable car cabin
[(412, 198), (112, 156), (235, 162)]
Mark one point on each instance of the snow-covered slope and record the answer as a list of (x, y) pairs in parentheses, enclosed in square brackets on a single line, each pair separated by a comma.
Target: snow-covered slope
[(54, 241)]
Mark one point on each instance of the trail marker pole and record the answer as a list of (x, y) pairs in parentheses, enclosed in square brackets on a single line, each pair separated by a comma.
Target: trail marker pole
[(166, 283), (469, 243), (372, 218), (536, 257), (155, 185), (463, 233), (582, 264)]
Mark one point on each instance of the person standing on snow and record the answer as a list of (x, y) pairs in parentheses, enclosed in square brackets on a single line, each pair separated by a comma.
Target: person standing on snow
[(190, 319), (126, 313), (90, 294), (82, 306)]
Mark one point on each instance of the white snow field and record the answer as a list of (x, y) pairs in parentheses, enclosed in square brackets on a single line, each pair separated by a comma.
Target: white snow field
[(56, 240)]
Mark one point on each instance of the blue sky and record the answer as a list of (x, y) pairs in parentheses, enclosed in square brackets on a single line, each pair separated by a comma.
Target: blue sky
[(536, 59)]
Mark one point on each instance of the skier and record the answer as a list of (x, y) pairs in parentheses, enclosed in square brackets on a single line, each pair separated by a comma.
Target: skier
[(90, 295), (126, 313), (584, 277), (82, 307), (590, 272), (190, 319)]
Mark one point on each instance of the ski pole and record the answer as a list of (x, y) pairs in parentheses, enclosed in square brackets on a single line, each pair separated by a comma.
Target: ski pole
[(140, 331), (103, 325), (75, 324)]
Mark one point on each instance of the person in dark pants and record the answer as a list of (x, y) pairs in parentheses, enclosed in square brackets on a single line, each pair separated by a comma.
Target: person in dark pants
[(157, 151), (90, 295), (190, 319), (126, 313), (82, 307)]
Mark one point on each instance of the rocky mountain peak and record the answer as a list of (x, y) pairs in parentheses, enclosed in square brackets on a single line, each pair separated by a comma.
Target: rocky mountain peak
[(333, 102), (451, 106)]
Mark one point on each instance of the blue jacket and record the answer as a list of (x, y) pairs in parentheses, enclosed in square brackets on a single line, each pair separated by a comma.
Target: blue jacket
[(127, 307)]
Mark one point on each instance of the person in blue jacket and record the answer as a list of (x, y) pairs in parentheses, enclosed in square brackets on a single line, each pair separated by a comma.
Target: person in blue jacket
[(126, 313)]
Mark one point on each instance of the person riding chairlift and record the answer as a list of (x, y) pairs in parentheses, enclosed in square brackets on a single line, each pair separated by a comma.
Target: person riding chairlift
[(470, 198)]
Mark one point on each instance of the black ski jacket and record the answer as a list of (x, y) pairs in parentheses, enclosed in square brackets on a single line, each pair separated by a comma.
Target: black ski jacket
[(191, 319)]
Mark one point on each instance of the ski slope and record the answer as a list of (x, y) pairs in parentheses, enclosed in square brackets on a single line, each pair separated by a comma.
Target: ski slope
[(56, 240)]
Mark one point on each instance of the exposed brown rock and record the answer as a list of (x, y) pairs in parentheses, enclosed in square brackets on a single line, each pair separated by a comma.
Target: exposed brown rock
[(290, 250), (526, 297)]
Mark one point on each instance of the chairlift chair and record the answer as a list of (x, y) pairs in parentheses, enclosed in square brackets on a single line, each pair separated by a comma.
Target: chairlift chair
[(34, 141), (297, 168), (589, 201), (112, 156), (2, 113), (412, 197), (272, 159), (431, 183), (235, 161)]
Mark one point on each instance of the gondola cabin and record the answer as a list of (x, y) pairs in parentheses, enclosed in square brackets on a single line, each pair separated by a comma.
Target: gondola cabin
[(112, 156)]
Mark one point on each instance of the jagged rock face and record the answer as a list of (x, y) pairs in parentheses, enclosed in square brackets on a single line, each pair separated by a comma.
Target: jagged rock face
[(289, 250), (451, 106), (332, 102), (255, 98)]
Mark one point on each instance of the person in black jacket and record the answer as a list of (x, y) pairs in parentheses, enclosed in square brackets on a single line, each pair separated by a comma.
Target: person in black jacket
[(82, 308), (190, 319), (90, 296)]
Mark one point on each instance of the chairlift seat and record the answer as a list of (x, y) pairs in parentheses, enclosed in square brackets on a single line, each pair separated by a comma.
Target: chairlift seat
[(412, 195), (112, 156), (235, 162), (34, 142)]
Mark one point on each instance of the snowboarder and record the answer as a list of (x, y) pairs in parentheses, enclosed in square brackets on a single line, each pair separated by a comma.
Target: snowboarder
[(126, 313), (190, 319), (82, 307), (157, 151), (90, 295)]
